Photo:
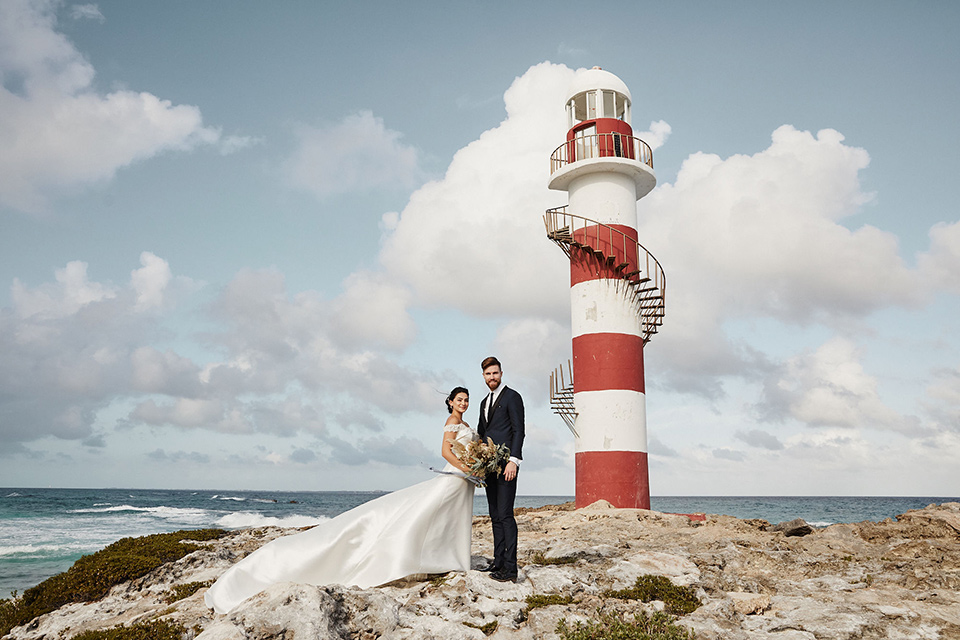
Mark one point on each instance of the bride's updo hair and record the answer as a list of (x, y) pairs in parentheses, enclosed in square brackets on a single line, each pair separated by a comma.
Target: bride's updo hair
[(453, 394)]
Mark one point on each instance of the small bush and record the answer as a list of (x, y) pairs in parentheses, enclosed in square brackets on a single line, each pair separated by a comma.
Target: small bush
[(181, 591), (611, 626), (539, 558), (543, 600), (91, 577), (487, 629), (537, 601), (153, 630), (679, 601)]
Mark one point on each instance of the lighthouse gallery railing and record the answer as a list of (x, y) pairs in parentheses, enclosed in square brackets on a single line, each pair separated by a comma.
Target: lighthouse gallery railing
[(601, 145), (622, 257)]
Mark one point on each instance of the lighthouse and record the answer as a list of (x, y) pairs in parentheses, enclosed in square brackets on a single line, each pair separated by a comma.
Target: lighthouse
[(617, 290)]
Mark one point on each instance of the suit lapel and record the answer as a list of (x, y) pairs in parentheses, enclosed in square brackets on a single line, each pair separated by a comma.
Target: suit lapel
[(495, 404)]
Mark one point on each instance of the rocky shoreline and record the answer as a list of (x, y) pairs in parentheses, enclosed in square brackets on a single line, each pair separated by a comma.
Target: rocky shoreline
[(893, 579)]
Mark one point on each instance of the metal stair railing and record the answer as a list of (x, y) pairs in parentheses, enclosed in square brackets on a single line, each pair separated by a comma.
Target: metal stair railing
[(561, 398), (601, 145), (620, 256)]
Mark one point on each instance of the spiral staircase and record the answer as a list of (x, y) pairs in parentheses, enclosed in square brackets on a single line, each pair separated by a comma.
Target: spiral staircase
[(616, 256)]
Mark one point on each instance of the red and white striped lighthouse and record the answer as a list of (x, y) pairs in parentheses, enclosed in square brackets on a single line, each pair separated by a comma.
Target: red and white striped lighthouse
[(617, 290)]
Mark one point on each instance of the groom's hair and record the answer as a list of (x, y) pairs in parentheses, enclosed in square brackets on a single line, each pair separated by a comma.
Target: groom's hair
[(489, 362)]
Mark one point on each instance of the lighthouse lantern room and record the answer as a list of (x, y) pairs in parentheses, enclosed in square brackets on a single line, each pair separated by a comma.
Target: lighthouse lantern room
[(617, 290)]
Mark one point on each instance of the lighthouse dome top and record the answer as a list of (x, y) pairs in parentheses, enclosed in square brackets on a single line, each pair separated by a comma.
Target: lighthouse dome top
[(597, 78), (595, 93)]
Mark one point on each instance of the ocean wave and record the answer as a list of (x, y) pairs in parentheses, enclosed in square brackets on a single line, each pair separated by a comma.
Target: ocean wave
[(171, 513), (14, 495), (820, 524), (229, 498), (247, 519), (35, 550)]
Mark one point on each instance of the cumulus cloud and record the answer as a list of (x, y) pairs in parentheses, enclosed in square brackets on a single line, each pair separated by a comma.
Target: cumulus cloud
[(357, 154), (830, 388), (74, 346), (940, 265), (372, 311), (760, 439), (86, 12), (480, 228), (58, 132), (943, 399), (656, 447), (761, 236), (530, 347), (729, 454), (194, 457)]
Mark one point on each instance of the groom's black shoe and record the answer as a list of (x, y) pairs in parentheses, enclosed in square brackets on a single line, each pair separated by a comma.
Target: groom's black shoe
[(502, 576), (490, 568)]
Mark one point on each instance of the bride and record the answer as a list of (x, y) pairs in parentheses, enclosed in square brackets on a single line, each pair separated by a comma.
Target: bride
[(422, 529)]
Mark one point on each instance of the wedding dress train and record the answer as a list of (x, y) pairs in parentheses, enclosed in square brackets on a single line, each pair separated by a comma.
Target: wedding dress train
[(421, 529)]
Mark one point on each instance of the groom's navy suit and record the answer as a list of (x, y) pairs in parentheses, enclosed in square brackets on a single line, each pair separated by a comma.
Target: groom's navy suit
[(504, 426)]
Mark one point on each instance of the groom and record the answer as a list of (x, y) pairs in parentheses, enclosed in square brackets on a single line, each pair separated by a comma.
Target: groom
[(501, 419)]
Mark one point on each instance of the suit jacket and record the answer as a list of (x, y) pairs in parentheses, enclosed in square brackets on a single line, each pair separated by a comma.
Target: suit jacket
[(505, 425)]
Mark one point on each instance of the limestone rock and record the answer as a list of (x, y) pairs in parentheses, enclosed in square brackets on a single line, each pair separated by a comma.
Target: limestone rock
[(797, 527), (893, 579)]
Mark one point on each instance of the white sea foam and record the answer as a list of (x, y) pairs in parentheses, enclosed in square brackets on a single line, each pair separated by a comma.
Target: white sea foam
[(229, 498), (820, 524), (14, 495), (30, 550), (179, 514), (245, 519)]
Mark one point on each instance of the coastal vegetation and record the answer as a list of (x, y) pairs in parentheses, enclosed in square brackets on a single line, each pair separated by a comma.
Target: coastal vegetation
[(612, 626), (91, 577), (185, 590), (152, 630), (679, 601)]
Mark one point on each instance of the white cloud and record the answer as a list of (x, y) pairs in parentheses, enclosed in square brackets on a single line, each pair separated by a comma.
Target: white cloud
[(940, 265), (72, 292), (759, 438), (479, 230), (943, 399), (57, 132), (830, 388), (357, 154), (372, 311), (150, 281), (656, 136), (760, 237), (530, 348), (86, 12), (231, 144)]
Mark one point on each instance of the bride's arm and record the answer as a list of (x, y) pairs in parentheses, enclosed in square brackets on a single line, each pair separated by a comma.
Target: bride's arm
[(447, 451)]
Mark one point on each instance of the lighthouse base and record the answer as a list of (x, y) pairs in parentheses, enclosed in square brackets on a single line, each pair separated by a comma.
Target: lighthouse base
[(619, 477)]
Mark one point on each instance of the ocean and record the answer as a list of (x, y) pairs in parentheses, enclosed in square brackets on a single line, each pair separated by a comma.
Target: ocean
[(44, 531)]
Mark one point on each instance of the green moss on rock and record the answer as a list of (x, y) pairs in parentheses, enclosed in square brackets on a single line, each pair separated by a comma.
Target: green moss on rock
[(153, 630), (91, 577), (612, 626), (679, 601)]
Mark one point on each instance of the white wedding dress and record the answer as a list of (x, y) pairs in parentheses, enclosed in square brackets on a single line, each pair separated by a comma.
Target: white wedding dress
[(422, 529)]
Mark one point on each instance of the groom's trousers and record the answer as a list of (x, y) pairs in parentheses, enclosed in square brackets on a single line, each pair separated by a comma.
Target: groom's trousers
[(501, 495)]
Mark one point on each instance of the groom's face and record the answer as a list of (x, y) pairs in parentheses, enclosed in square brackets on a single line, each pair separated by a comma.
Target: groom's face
[(492, 376)]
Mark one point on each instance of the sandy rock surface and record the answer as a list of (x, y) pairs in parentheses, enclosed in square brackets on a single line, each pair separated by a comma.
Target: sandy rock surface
[(894, 579)]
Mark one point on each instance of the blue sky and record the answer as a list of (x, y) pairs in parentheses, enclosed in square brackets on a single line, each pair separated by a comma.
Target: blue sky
[(253, 249)]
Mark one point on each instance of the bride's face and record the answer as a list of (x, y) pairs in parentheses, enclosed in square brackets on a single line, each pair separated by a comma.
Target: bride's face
[(460, 402)]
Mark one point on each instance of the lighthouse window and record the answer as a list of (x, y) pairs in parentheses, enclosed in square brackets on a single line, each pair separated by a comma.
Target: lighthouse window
[(609, 104), (591, 105)]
